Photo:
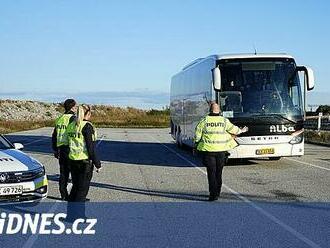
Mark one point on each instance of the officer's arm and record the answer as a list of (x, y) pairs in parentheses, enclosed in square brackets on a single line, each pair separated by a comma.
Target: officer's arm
[(54, 140), (88, 132), (231, 128), (199, 131)]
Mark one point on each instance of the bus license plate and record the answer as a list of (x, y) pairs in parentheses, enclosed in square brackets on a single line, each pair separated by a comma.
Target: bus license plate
[(265, 151), (12, 190)]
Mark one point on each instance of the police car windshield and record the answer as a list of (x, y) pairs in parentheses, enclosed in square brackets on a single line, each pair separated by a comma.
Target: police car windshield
[(262, 87), (4, 144)]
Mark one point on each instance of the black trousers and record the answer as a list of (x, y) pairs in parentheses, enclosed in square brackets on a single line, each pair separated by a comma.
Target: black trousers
[(64, 171), (81, 173), (214, 163)]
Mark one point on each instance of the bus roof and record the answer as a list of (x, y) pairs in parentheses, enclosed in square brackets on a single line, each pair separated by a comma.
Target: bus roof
[(240, 56), (251, 55)]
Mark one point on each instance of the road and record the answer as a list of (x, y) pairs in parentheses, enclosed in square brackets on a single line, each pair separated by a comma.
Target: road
[(158, 194)]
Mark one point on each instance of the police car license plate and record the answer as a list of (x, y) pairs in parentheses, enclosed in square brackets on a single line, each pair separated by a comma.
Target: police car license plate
[(11, 190), (265, 151)]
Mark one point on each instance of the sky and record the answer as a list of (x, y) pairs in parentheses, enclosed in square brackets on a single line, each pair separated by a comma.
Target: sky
[(97, 46)]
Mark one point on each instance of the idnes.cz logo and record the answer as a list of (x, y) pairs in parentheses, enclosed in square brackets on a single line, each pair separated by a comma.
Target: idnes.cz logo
[(44, 223)]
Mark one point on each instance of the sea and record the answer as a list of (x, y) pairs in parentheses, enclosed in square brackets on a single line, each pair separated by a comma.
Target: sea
[(141, 100)]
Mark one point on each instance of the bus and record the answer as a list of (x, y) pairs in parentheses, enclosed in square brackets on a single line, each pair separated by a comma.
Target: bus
[(260, 91)]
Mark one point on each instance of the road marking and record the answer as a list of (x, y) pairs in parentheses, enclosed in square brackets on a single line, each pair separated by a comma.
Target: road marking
[(305, 163), (35, 141), (288, 228), (100, 140), (33, 238)]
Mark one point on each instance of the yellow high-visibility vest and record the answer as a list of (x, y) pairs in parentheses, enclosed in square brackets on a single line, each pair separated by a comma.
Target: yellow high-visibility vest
[(214, 134), (77, 144), (61, 125)]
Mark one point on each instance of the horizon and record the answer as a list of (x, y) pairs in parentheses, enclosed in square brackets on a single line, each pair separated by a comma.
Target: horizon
[(142, 99), (74, 46)]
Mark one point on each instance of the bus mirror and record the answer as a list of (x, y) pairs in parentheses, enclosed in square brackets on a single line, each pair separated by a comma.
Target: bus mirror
[(216, 78), (309, 76)]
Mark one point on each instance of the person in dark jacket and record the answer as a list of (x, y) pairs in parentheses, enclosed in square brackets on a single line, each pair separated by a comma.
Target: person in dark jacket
[(60, 145), (83, 156)]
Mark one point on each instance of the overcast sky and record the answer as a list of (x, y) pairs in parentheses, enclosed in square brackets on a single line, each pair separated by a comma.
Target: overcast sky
[(81, 46)]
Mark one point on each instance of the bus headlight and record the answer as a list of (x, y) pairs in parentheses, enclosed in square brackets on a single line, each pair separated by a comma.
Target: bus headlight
[(297, 139)]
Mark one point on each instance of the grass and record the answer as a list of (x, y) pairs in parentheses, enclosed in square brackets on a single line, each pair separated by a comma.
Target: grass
[(105, 116), (322, 137), (102, 116), (15, 126)]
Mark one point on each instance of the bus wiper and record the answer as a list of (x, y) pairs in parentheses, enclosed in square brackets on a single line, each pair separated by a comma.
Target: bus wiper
[(274, 115)]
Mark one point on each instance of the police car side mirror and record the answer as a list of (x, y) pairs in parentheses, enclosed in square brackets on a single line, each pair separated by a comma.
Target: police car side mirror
[(216, 76), (18, 146)]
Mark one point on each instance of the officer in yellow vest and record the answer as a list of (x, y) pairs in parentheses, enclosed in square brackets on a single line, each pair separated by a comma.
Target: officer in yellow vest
[(83, 156), (213, 138), (60, 144)]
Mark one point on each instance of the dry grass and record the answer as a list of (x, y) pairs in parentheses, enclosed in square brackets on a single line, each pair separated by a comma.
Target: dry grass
[(322, 137), (103, 116), (15, 126)]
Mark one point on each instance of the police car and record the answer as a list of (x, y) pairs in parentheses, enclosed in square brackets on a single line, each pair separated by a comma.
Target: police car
[(22, 178)]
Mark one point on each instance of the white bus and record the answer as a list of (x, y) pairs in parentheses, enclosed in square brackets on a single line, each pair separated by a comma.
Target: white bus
[(260, 91)]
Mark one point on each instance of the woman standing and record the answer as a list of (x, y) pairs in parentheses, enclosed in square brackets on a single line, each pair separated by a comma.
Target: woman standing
[(82, 155)]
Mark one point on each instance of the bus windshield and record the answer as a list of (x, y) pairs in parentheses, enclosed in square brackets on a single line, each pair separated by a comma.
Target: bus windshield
[(260, 88)]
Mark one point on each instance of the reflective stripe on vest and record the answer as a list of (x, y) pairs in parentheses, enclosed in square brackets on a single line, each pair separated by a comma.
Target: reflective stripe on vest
[(61, 125), (214, 136), (77, 144)]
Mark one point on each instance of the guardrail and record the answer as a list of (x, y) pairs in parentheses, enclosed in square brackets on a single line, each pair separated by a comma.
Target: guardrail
[(318, 123)]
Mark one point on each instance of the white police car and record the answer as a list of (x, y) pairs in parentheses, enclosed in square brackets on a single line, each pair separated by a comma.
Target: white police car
[(22, 178)]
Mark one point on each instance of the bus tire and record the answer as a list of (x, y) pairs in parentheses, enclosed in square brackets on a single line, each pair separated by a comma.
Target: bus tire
[(178, 138)]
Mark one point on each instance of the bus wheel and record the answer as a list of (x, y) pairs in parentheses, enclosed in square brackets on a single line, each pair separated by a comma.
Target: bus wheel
[(274, 158), (178, 138)]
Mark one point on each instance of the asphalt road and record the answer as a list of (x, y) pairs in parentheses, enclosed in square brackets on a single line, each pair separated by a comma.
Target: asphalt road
[(156, 195)]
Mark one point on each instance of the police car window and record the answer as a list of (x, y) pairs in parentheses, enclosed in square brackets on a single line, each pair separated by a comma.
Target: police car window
[(4, 144)]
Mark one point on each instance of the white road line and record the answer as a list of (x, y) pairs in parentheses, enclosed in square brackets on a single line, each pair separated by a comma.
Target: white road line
[(288, 228), (34, 237), (309, 164), (35, 141), (100, 140)]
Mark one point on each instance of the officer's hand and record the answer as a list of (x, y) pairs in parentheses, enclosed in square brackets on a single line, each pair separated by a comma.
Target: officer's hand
[(245, 129)]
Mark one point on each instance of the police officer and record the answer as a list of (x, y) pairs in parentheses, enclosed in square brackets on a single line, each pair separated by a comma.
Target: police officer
[(213, 138), (82, 155), (60, 145)]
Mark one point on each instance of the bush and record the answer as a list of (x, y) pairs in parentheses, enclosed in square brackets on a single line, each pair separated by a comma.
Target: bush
[(325, 109), (322, 137), (15, 126), (102, 116)]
